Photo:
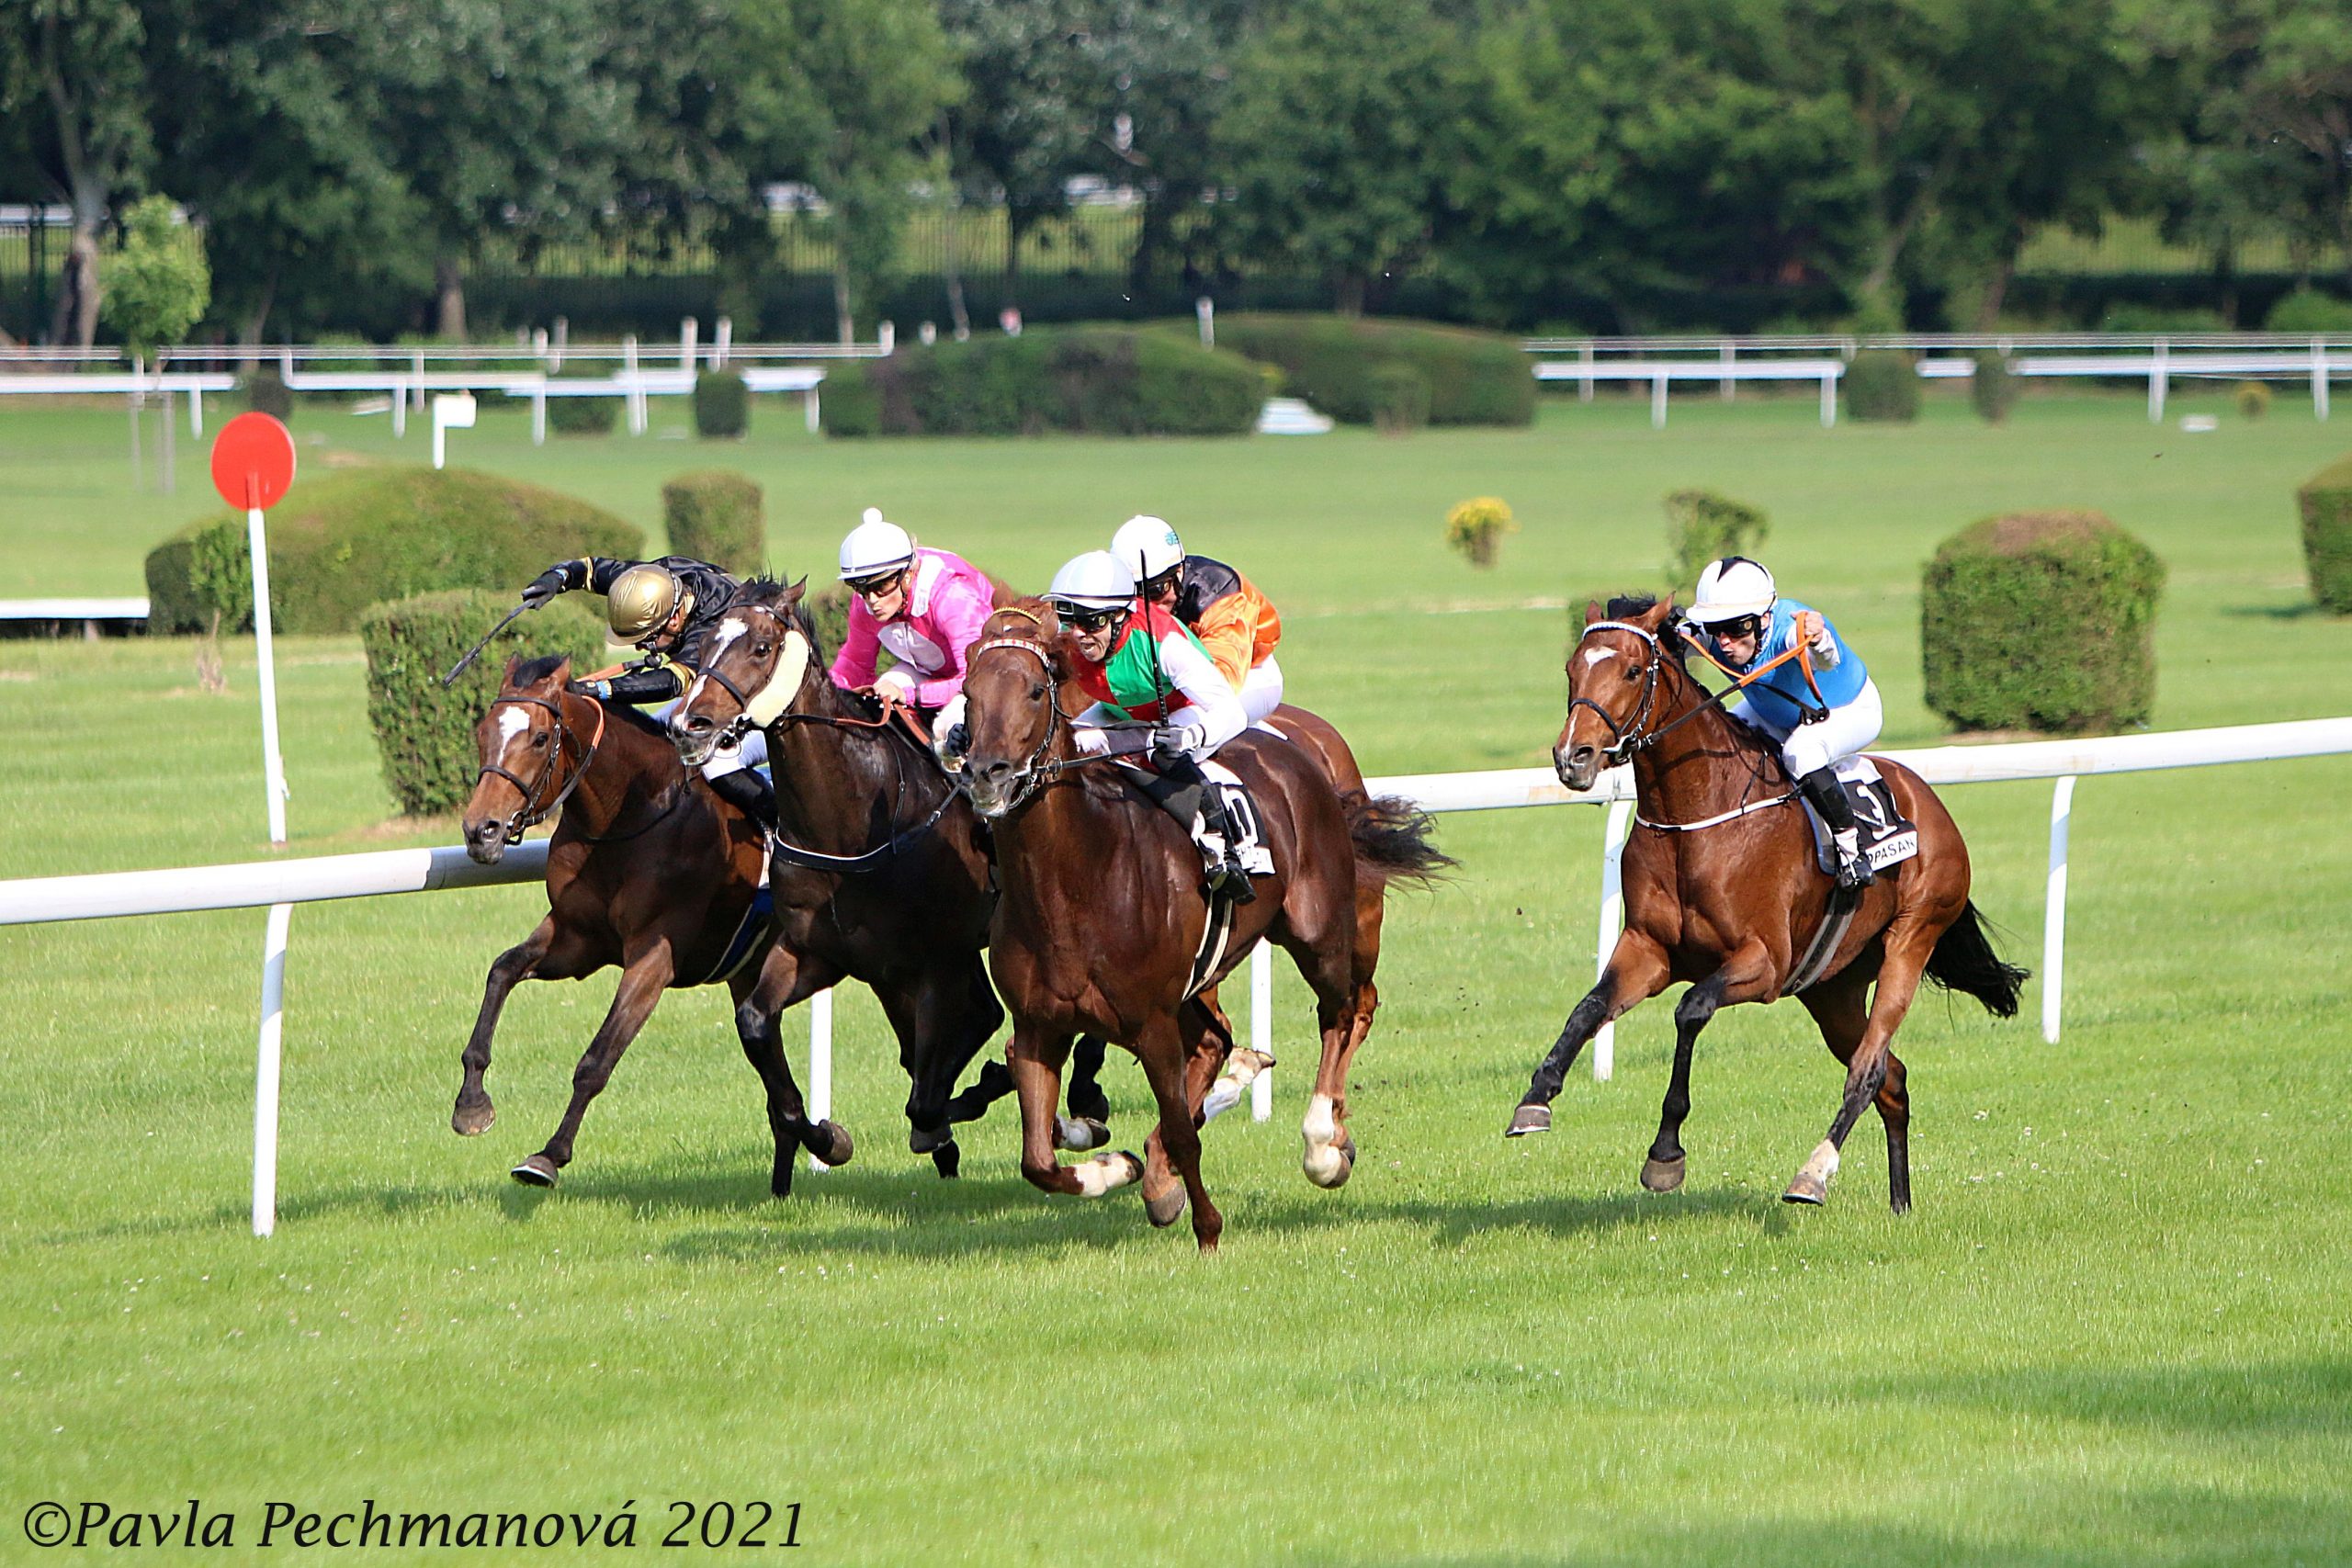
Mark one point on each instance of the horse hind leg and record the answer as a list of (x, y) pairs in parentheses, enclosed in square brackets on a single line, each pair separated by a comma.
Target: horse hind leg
[(474, 1112), (783, 981), (1870, 1068)]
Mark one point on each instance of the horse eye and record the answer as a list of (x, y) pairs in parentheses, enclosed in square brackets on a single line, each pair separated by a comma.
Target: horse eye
[(1036, 690), (540, 741), (761, 649), (1625, 674)]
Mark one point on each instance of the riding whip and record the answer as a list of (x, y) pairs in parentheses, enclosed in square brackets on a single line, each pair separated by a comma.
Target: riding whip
[(462, 665)]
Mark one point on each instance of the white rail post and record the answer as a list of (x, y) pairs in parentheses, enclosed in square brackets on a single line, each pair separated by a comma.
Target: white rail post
[(416, 369), (2053, 912), (1613, 920), (689, 330), (633, 393), (821, 1062), (269, 1058), (1262, 1029), (1730, 358), (400, 408), (2319, 377), (195, 413), (273, 765), (809, 413), (539, 414), (1829, 401), (1658, 401), (1584, 382), (722, 342), (2158, 377)]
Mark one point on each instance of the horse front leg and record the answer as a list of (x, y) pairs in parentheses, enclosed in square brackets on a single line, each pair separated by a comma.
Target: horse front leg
[(1637, 971), (1870, 1072), (473, 1112), (642, 982), (1035, 1060), (785, 979), (1746, 977), (1207, 1043), (1163, 1051)]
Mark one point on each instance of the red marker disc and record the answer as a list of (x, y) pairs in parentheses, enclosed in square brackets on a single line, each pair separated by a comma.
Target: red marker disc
[(252, 461)]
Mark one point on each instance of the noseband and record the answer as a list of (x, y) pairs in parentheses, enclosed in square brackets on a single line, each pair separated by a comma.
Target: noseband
[(530, 814)]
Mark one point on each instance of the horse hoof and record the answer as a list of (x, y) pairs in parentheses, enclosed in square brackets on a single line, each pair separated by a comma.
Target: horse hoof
[(472, 1121), (1331, 1165), (1806, 1190), (1163, 1209), (948, 1160), (829, 1140), (1662, 1174), (1528, 1118), (536, 1171), (924, 1140), (1080, 1134)]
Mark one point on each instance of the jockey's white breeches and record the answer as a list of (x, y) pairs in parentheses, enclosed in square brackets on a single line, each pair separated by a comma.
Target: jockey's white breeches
[(1846, 731), (752, 751), (1261, 689)]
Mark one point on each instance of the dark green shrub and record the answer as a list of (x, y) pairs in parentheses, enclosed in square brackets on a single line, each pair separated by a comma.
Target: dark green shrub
[(723, 405), (342, 543), (2251, 399), (2327, 536), (1474, 378), (1099, 380), (828, 607), (1882, 383), (1993, 389), (715, 516), (582, 416), (173, 603), (2309, 311), (2041, 620), (1702, 527), (2126, 316), (1400, 399), (424, 735), (265, 392)]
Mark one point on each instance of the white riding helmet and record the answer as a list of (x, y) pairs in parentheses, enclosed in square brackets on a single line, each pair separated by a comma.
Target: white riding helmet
[(1095, 581), (1148, 546), (874, 546), (1731, 588)]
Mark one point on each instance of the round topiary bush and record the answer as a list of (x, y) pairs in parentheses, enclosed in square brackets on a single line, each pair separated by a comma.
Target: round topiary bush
[(2041, 620), (1400, 399), (723, 405), (2251, 399), (715, 516), (342, 543), (1331, 361), (265, 392), (582, 416), (1993, 390), (1703, 526), (2327, 536), (1093, 380), (1882, 383), (425, 735), (2309, 311)]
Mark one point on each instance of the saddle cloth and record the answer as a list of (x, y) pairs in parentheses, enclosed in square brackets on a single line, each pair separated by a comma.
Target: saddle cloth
[(1886, 837)]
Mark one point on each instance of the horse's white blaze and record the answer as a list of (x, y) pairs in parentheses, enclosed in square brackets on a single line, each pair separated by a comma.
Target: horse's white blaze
[(1595, 655), (784, 683), (1104, 1173), (513, 723), (730, 629)]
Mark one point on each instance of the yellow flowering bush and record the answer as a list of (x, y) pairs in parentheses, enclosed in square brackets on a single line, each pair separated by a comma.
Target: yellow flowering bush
[(1476, 527)]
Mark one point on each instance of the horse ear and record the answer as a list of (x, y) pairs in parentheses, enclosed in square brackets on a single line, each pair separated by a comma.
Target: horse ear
[(792, 593), (1660, 612), (512, 660), (1593, 612), (561, 674)]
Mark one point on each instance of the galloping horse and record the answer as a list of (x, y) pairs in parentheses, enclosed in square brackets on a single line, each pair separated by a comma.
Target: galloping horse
[(896, 885), (1101, 920), (649, 870), (1722, 890)]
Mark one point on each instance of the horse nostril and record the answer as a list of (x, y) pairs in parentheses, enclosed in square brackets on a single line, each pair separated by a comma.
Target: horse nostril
[(996, 769)]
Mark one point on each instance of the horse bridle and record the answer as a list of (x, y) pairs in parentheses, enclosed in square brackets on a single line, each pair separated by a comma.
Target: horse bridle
[(1629, 737), (530, 814), (1034, 771)]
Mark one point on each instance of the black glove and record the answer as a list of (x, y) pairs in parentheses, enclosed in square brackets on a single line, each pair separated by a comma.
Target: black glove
[(543, 588), (958, 740)]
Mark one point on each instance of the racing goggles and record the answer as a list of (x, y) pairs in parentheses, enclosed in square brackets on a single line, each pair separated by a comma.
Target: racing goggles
[(1088, 617), (1736, 628), (876, 586)]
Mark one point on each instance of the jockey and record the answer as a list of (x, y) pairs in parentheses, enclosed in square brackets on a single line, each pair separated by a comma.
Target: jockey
[(666, 609), (1139, 663), (925, 606), (1237, 624), (1745, 623)]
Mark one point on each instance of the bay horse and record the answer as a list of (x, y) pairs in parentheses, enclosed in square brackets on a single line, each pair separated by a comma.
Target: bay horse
[(1722, 889), (647, 869), (1100, 916), (896, 868)]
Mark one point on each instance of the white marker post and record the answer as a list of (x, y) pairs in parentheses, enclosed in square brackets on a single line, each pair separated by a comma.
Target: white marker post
[(1262, 1029), (451, 410)]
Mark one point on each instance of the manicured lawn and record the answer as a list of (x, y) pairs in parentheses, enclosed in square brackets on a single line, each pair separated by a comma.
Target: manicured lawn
[(2111, 1332)]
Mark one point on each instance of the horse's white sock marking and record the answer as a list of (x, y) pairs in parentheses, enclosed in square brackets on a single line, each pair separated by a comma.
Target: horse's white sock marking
[(1103, 1173), (1321, 1126), (1824, 1163)]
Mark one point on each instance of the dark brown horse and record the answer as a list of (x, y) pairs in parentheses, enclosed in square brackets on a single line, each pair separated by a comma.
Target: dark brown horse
[(647, 870), (1722, 889), (896, 874), (1100, 916)]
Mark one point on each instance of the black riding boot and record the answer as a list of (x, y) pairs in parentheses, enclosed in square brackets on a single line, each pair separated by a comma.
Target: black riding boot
[(1184, 793), (748, 790), (1828, 798)]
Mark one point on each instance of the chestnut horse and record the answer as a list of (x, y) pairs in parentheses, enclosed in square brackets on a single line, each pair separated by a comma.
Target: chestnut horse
[(1100, 916), (647, 870), (1722, 889)]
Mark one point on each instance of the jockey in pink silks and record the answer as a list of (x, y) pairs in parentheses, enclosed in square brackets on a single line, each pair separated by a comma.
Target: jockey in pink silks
[(925, 607)]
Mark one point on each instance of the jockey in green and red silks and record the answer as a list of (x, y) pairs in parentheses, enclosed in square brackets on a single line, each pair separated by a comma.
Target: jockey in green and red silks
[(1146, 670), (1821, 711)]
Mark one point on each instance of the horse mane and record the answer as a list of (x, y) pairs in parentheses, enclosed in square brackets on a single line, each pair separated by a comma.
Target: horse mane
[(531, 671), (762, 592), (1631, 607)]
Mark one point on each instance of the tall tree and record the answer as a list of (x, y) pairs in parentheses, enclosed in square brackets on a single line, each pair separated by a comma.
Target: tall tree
[(1023, 126)]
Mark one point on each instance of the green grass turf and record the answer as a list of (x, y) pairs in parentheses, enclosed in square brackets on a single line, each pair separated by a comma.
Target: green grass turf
[(2111, 1332)]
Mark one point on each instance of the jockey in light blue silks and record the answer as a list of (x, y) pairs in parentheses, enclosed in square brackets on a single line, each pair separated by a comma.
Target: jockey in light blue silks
[(1745, 623)]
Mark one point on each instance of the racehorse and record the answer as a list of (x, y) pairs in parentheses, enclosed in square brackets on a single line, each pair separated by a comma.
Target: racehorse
[(896, 886), (1102, 924), (647, 870), (1722, 890)]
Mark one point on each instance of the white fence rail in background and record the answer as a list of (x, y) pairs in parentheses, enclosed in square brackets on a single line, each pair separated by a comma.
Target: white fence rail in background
[(275, 883)]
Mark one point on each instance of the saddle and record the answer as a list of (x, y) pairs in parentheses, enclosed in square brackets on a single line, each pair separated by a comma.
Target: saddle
[(1887, 838), (1248, 831)]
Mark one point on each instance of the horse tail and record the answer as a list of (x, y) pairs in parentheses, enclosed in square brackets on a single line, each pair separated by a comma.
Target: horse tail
[(1392, 840), (1965, 961)]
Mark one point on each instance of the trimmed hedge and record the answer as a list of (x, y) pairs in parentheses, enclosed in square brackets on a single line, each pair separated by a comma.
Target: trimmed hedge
[(1332, 361), (2041, 620), (1093, 380), (582, 416), (2309, 311), (2327, 536), (424, 735), (1993, 390), (1400, 399), (346, 541), (723, 405), (265, 392), (715, 516), (1882, 383)]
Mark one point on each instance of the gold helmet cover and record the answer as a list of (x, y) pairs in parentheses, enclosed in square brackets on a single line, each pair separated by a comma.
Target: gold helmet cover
[(642, 599)]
